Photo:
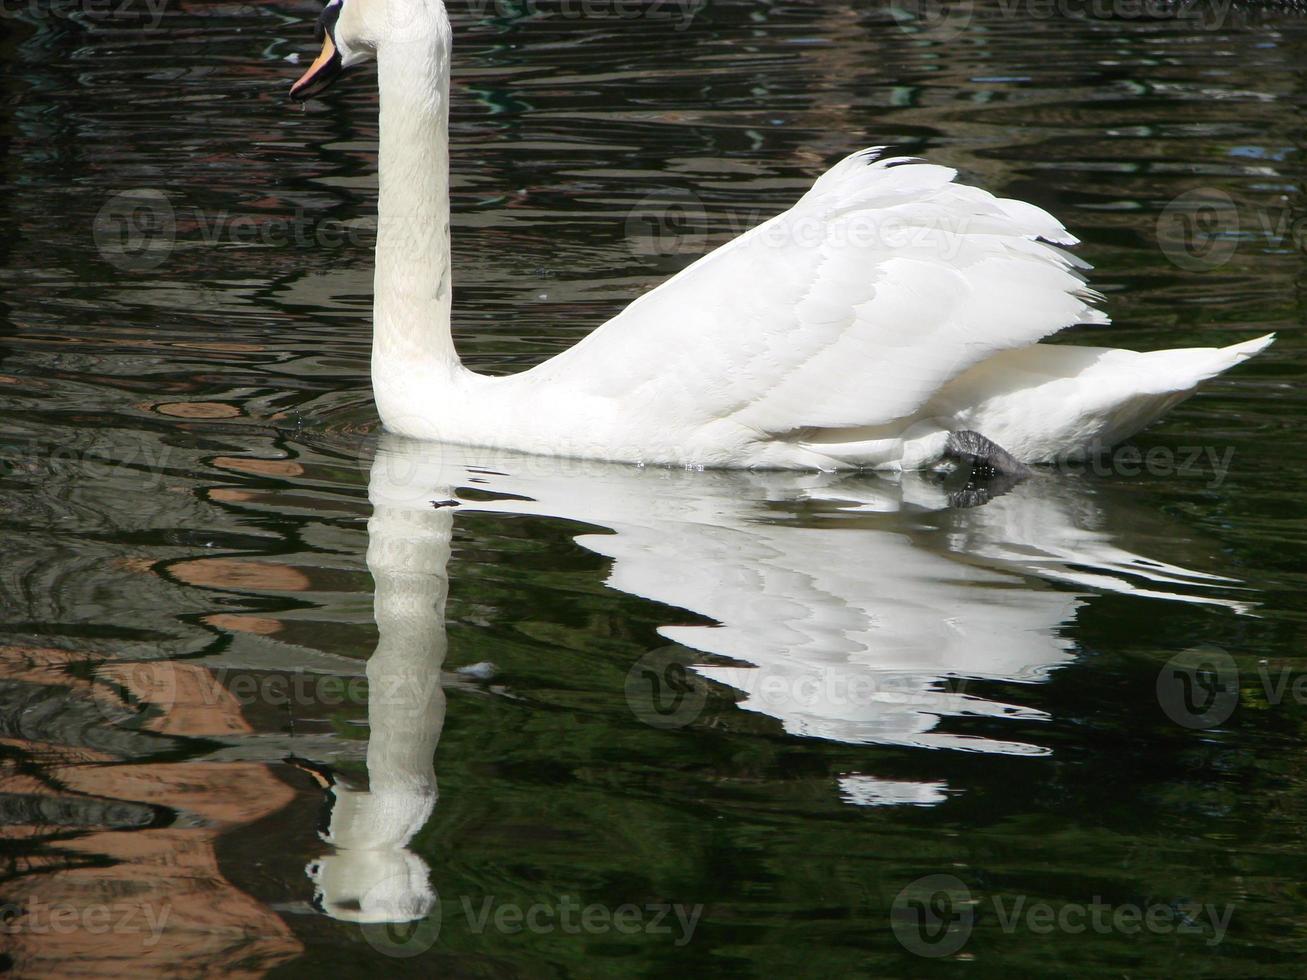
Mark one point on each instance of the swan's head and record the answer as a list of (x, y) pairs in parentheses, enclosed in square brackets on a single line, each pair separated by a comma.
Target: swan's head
[(351, 32)]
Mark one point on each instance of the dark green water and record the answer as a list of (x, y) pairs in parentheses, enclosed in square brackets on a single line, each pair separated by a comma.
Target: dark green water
[(732, 721)]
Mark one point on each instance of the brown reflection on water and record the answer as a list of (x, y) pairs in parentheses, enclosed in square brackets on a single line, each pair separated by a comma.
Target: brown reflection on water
[(231, 573), (116, 887), (197, 410)]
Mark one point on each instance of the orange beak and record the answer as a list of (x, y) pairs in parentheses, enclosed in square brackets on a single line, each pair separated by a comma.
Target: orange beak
[(320, 74)]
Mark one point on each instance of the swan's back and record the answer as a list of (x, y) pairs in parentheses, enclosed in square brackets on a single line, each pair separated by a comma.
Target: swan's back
[(833, 335), (883, 283)]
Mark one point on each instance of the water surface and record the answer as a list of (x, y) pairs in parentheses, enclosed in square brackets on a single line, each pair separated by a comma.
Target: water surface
[(236, 631)]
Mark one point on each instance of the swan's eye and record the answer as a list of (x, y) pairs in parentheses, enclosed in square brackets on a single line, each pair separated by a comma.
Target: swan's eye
[(327, 21), (331, 62)]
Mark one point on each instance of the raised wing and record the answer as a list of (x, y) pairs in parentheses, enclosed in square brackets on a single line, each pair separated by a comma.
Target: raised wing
[(881, 284)]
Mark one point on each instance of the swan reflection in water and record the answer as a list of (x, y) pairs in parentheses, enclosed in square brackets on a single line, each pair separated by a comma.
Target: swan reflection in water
[(850, 608)]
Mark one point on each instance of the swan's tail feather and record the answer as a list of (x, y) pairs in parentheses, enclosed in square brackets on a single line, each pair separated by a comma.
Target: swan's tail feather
[(1042, 403), (1194, 365), (1087, 399)]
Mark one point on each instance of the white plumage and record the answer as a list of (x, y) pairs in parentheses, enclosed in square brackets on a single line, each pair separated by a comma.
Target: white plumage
[(889, 307)]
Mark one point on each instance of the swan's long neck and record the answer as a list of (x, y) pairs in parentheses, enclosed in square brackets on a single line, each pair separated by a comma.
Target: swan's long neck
[(412, 346)]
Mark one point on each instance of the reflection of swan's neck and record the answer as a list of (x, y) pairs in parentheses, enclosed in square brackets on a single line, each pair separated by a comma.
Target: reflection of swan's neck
[(411, 339), (372, 876), (407, 554)]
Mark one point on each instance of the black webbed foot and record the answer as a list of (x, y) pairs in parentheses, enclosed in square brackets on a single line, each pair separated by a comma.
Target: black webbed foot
[(984, 469), (983, 457)]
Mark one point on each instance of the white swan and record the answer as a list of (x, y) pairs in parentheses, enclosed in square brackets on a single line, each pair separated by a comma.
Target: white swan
[(884, 321)]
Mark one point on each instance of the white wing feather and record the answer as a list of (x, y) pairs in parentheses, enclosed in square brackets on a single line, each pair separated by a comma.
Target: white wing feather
[(883, 283)]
